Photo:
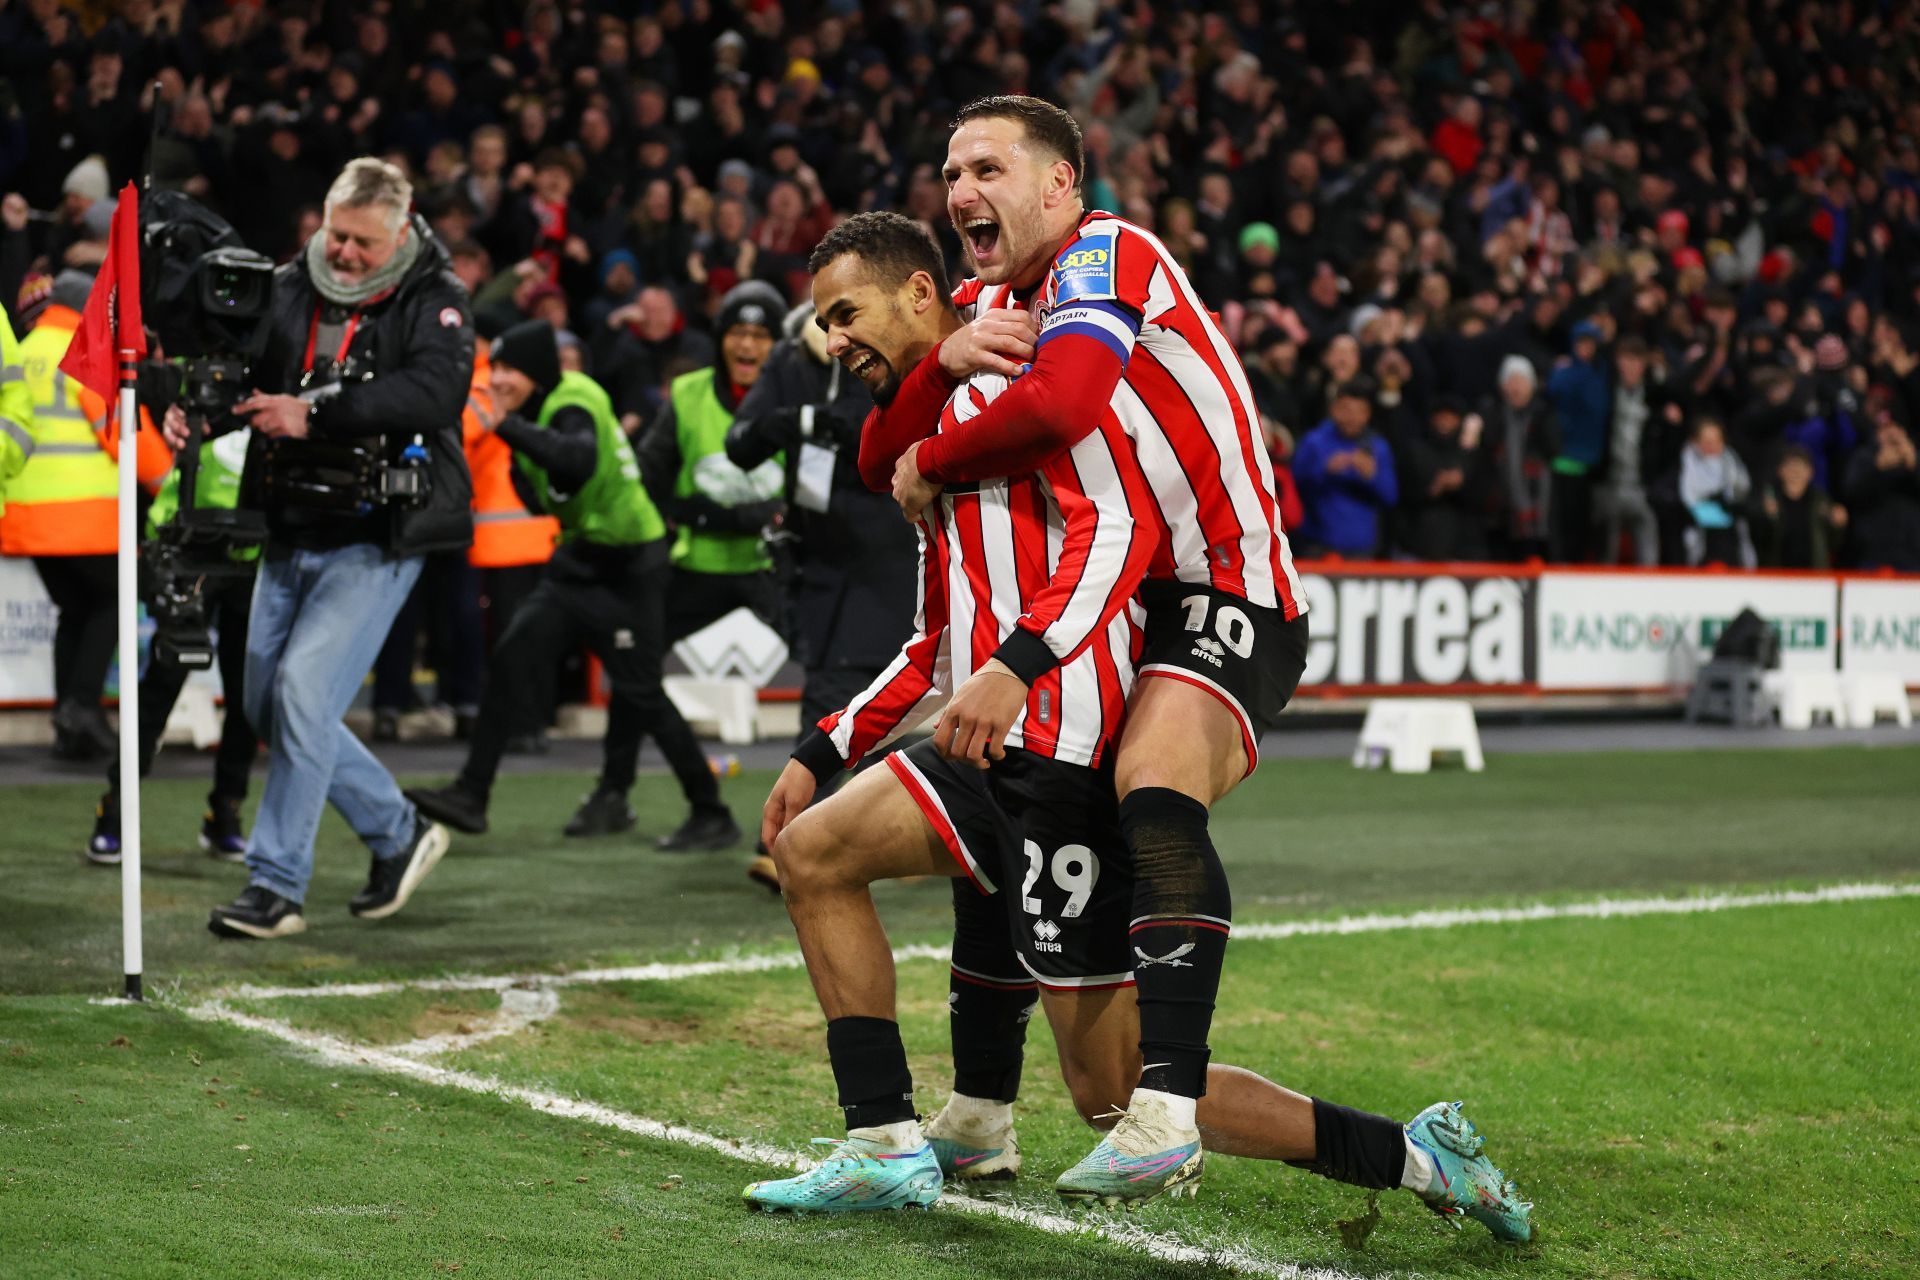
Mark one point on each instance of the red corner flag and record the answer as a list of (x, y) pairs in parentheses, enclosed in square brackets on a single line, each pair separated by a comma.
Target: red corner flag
[(111, 322)]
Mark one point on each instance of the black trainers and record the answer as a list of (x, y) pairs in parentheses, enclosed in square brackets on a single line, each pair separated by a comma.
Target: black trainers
[(82, 733), (604, 813), (220, 832), (258, 913), (103, 846), (454, 805), (392, 880), (705, 828)]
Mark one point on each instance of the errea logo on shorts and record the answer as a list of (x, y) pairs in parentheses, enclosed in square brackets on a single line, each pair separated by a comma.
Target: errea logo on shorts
[(1207, 649), (1044, 933)]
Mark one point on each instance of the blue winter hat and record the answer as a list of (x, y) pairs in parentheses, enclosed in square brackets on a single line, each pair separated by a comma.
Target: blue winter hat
[(1586, 329), (619, 258)]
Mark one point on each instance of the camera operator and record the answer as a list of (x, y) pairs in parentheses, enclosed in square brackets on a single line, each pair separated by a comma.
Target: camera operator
[(357, 462), (605, 586), (226, 601), (850, 592)]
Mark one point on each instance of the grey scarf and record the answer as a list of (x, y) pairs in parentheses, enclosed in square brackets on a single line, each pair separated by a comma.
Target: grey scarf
[(352, 295)]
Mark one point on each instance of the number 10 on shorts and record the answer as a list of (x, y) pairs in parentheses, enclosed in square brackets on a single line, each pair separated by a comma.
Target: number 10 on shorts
[(1231, 624)]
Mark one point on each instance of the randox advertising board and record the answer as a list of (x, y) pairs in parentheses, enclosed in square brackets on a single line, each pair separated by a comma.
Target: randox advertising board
[(1880, 626), (1627, 630)]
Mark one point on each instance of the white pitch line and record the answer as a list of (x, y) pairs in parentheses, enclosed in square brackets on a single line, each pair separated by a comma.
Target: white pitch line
[(519, 1009), (1600, 909), (761, 963), (335, 1051)]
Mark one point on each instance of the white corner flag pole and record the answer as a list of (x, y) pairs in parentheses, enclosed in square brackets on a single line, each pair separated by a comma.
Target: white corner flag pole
[(129, 679)]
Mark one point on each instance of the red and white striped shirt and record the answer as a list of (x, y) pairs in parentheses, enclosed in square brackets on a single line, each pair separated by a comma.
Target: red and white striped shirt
[(1183, 398), (1057, 554)]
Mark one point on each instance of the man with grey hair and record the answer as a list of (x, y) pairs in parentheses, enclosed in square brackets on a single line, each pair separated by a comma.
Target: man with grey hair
[(1522, 439), (357, 462)]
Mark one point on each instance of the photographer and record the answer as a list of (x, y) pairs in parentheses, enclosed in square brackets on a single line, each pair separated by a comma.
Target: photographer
[(605, 587), (850, 593), (226, 600), (358, 464)]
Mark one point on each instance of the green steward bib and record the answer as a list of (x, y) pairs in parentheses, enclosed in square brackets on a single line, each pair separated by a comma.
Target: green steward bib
[(611, 509), (705, 471)]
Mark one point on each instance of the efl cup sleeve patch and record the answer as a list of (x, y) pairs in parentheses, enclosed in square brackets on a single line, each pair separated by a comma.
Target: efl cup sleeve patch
[(1086, 271)]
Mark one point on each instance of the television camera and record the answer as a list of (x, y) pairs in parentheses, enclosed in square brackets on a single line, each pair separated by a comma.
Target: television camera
[(209, 300)]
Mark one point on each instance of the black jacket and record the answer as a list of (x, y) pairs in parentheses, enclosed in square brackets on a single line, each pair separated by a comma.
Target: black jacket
[(1885, 511), (851, 596), (418, 343), (1451, 525)]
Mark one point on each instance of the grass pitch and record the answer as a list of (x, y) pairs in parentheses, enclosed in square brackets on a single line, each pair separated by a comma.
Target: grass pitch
[(1702, 1095)]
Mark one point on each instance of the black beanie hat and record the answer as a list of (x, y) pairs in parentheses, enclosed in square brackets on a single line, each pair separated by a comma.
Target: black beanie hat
[(755, 302), (531, 347)]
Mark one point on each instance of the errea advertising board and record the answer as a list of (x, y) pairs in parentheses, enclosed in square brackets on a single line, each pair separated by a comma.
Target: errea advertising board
[(1426, 630)]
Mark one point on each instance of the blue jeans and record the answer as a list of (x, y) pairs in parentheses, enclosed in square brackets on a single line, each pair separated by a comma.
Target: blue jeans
[(318, 619)]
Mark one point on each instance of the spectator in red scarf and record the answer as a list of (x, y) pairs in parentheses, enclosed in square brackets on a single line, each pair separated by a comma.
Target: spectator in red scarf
[(541, 226)]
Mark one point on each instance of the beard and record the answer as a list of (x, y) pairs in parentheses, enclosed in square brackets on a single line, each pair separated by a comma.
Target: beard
[(889, 386)]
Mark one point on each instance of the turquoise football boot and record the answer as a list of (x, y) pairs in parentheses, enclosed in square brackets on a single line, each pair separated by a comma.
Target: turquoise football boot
[(1147, 1154), (1468, 1183), (973, 1152), (855, 1175)]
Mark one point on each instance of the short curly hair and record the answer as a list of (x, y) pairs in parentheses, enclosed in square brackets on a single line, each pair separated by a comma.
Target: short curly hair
[(1057, 132), (892, 245)]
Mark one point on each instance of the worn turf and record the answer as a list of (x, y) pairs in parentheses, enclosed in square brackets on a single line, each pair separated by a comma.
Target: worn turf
[(1663, 1086), (1690, 1096), (136, 1143)]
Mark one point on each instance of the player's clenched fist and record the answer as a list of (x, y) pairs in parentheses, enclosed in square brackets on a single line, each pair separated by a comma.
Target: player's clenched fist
[(913, 491), (1000, 341)]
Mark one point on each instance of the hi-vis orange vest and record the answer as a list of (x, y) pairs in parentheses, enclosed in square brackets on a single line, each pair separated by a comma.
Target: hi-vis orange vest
[(65, 501), (504, 531)]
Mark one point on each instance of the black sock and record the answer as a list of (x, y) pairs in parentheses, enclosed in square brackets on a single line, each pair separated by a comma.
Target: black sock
[(870, 1068), (1356, 1146), (990, 997), (1181, 917)]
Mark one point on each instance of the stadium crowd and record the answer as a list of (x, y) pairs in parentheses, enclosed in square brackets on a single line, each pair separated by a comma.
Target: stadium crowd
[(1581, 280)]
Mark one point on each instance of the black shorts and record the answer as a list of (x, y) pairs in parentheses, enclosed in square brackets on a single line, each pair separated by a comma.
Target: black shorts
[(1249, 657), (1045, 838)]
